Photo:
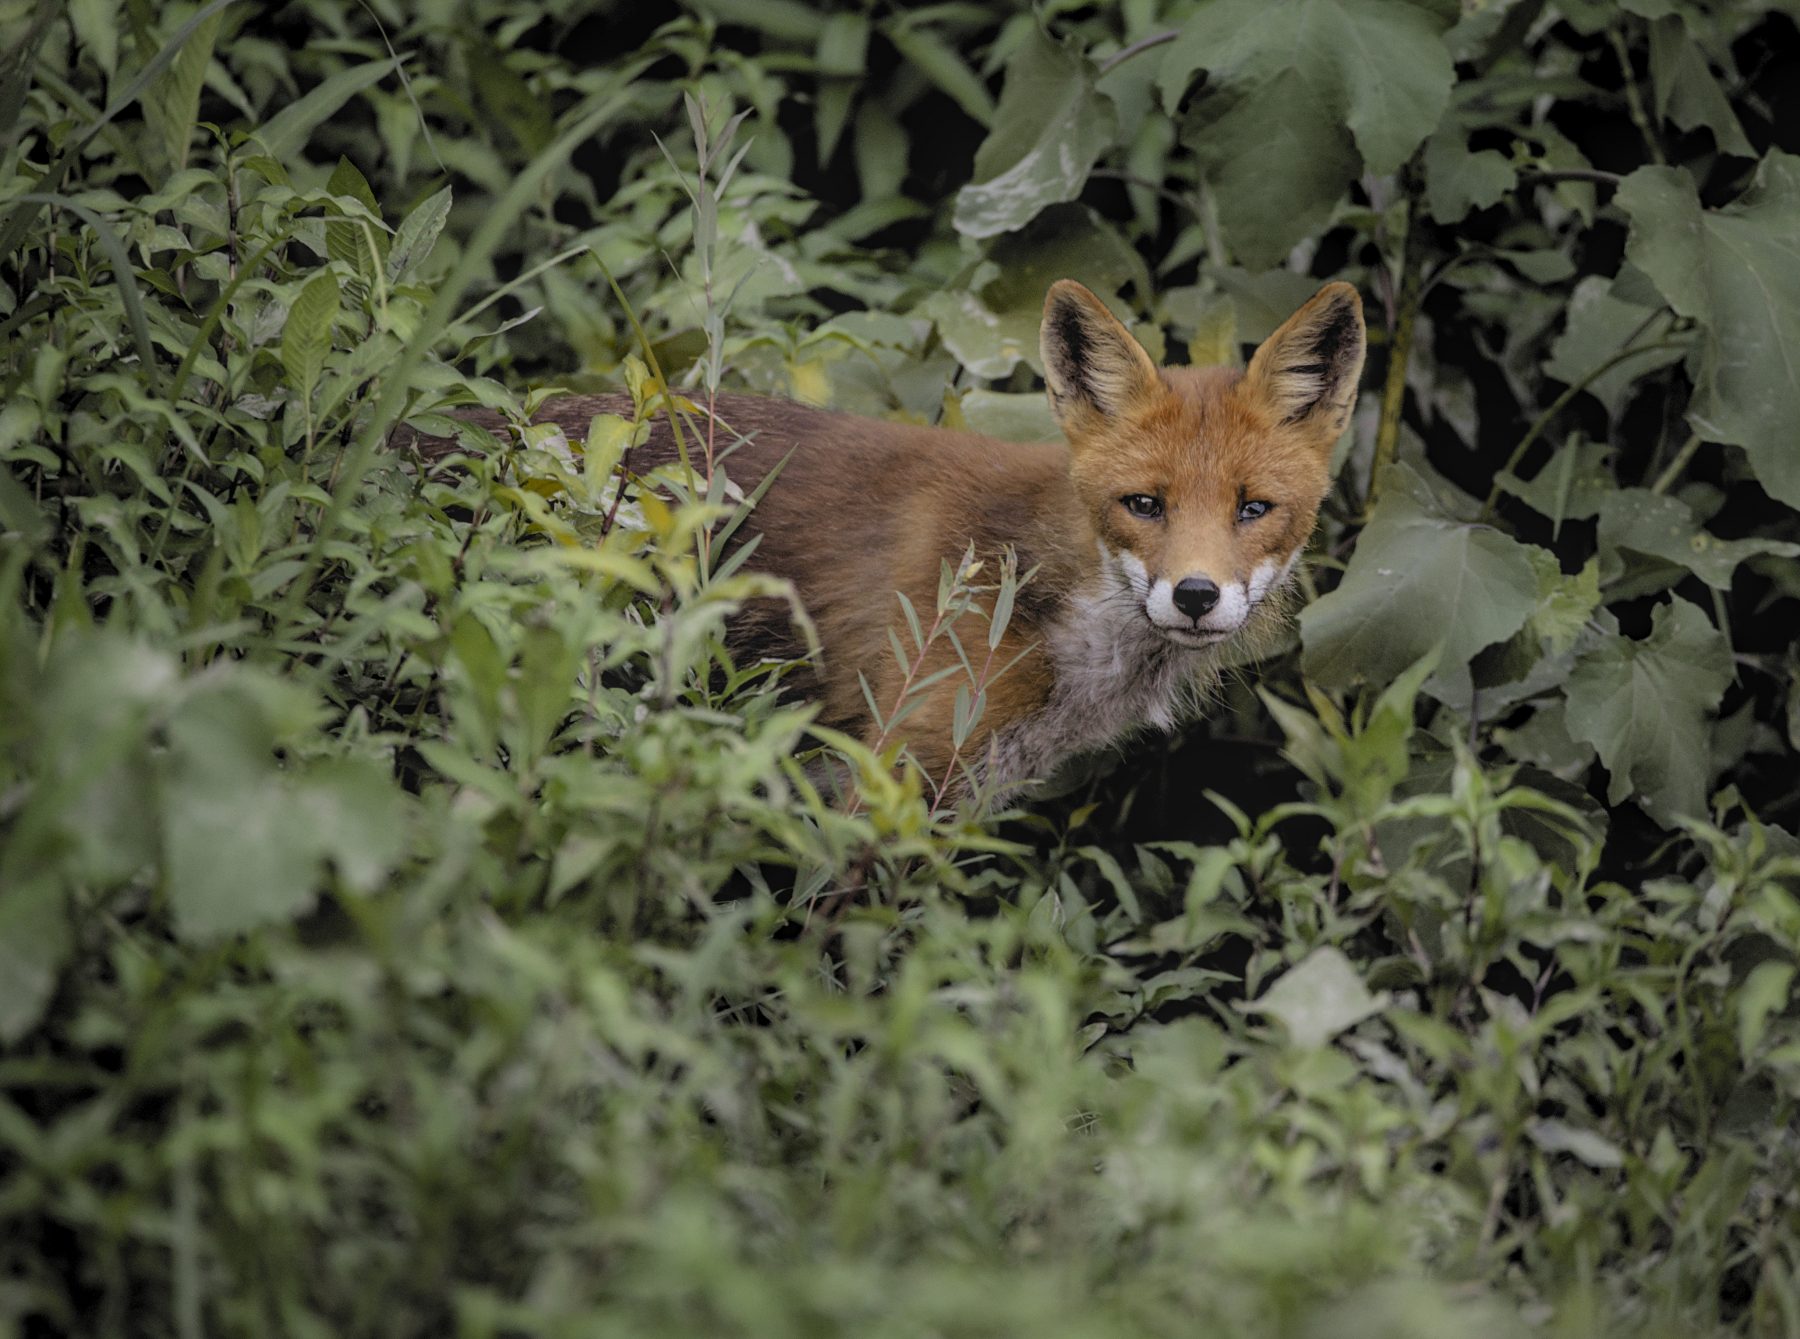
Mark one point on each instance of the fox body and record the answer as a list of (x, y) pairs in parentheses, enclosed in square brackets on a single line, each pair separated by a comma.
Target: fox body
[(1162, 534)]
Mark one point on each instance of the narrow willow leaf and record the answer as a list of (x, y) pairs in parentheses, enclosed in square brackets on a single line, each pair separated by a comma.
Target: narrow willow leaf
[(284, 134), (174, 104)]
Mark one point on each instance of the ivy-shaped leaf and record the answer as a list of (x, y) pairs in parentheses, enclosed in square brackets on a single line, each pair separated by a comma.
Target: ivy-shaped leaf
[(1050, 128), (1421, 577), (1645, 707), (1300, 98), (1736, 271)]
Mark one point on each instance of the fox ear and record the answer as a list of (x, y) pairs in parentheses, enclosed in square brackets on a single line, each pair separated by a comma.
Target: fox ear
[(1308, 371), (1093, 367)]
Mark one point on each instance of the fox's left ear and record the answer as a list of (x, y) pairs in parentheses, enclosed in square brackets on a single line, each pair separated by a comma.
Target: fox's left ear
[(1309, 370), (1093, 367)]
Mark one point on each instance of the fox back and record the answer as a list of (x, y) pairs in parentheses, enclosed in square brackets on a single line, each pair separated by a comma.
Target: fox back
[(1161, 537)]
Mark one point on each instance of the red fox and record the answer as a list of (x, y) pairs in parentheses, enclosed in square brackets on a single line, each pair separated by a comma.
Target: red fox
[(1165, 529)]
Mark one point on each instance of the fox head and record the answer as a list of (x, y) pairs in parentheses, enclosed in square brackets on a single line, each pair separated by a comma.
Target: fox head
[(1203, 483)]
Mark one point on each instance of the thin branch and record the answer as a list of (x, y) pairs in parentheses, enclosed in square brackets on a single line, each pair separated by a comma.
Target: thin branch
[(1406, 311), (1138, 47), (1593, 175)]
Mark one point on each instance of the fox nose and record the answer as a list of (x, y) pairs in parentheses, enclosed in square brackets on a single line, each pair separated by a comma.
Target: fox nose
[(1195, 596)]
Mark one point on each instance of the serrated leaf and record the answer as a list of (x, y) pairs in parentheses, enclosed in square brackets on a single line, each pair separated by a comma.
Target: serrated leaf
[(1319, 997), (1645, 707), (1421, 578), (417, 234), (1639, 521), (1300, 98), (306, 338), (1736, 271), (1050, 128), (348, 240)]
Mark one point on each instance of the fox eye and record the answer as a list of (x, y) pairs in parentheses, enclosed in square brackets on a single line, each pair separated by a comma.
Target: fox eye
[(1143, 505), (1249, 511)]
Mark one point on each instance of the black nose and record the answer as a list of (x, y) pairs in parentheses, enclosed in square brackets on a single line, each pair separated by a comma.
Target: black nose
[(1195, 596)]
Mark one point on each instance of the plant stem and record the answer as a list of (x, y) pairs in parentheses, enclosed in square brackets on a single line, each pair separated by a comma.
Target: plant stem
[(1634, 98), (1138, 47), (1393, 390), (1560, 403), (1666, 480)]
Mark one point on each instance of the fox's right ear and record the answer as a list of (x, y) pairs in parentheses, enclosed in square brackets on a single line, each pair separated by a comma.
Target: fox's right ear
[(1093, 367)]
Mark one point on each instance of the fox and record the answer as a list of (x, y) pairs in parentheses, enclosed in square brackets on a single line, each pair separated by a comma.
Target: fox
[(1161, 535)]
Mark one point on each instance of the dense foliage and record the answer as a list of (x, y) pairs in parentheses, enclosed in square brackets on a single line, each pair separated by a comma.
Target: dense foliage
[(410, 922)]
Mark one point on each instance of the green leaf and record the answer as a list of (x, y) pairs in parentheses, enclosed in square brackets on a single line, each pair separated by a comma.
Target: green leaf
[(96, 24), (1458, 179), (1736, 271), (993, 325), (1639, 521), (347, 240), (284, 134), (239, 851), (173, 105), (1050, 128), (1645, 707), (417, 234), (940, 63), (1687, 92), (1571, 486), (1301, 97), (1599, 326), (1763, 994), (1319, 997), (1421, 578), (842, 58), (35, 942), (1555, 1136), (361, 815), (306, 338)]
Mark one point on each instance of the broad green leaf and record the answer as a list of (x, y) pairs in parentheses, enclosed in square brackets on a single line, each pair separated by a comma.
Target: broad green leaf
[(1736, 271), (1571, 486), (1458, 179), (1600, 326), (1023, 417), (1300, 98), (1421, 577), (1319, 997), (1646, 705), (1687, 92), (306, 338), (993, 325), (1050, 128), (173, 104), (285, 133), (239, 851), (362, 816), (1658, 526)]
